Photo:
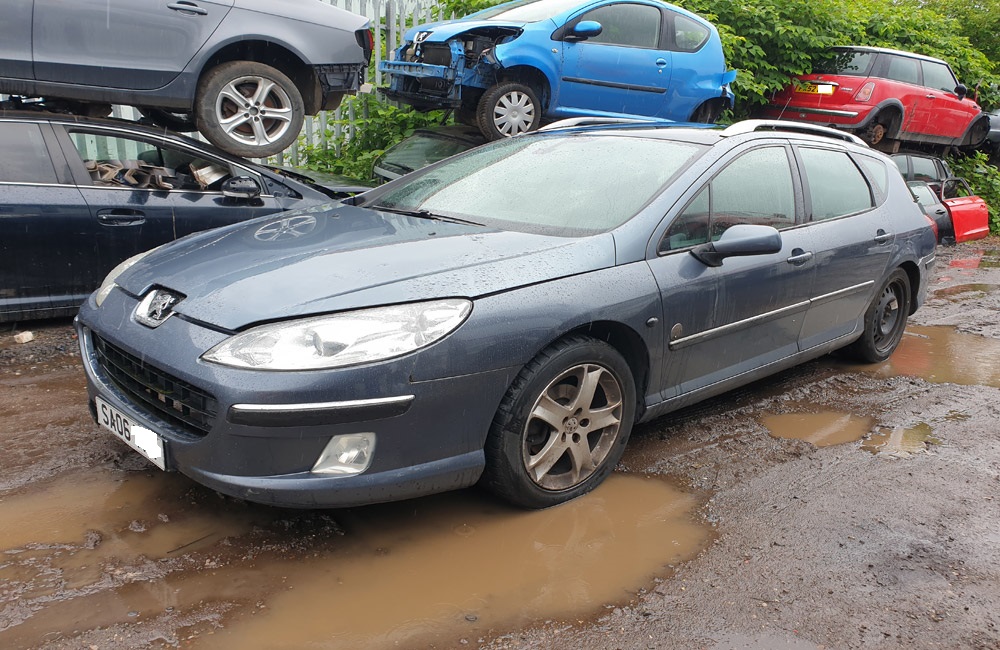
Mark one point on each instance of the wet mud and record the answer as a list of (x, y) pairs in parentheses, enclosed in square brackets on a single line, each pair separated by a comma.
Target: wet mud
[(830, 506)]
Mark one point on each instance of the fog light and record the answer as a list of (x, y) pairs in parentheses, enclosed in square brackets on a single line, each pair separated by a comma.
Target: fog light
[(345, 455)]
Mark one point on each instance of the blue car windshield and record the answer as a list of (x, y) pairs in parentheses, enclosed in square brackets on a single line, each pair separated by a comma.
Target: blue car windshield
[(525, 11), (564, 185)]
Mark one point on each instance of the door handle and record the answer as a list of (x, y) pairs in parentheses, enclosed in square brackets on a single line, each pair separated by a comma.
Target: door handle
[(121, 217), (931, 96), (799, 257), (187, 7), (883, 237), (941, 211), (661, 62)]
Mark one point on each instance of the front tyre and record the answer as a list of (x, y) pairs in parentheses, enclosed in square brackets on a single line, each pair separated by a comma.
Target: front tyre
[(885, 320), (507, 109), (563, 425), (248, 109)]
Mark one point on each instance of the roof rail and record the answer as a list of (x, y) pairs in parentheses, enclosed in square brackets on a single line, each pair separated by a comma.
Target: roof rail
[(593, 121), (751, 126)]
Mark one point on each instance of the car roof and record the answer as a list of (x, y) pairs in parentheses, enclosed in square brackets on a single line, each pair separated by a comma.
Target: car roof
[(886, 50), (710, 134)]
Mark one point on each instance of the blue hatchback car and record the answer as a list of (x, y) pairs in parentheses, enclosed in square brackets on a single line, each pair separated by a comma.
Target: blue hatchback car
[(508, 68)]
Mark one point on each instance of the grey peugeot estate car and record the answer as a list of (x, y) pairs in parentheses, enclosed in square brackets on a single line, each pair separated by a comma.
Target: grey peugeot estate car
[(504, 316), (243, 72)]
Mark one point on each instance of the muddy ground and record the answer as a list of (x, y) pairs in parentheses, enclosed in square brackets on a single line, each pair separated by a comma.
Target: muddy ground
[(832, 506)]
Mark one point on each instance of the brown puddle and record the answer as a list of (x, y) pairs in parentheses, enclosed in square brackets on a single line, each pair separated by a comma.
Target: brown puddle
[(91, 551), (821, 429), (960, 292), (900, 441), (942, 355)]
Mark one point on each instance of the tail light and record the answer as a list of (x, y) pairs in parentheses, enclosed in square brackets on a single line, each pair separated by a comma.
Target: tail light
[(933, 227), (865, 93), (366, 39)]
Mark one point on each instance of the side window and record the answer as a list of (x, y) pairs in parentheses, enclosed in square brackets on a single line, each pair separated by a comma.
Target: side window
[(116, 161), (23, 155), (756, 188), (688, 34), (877, 171), (924, 169), (836, 186), (627, 24), (904, 69), (901, 164), (938, 75)]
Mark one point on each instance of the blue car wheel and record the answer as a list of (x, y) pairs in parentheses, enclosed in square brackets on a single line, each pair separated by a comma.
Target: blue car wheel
[(507, 109)]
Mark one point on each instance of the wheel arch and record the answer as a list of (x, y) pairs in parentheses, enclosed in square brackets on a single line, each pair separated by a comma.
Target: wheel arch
[(913, 273), (630, 345), (977, 132), (276, 55), (529, 76)]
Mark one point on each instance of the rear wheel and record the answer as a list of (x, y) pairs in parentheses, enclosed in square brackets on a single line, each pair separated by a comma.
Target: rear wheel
[(885, 320), (563, 425), (507, 109), (249, 109)]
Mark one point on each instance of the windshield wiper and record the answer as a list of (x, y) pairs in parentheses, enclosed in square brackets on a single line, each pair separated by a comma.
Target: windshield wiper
[(424, 214)]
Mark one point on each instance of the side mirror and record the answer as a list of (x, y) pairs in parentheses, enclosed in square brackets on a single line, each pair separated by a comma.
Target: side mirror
[(961, 91), (585, 29), (241, 187), (738, 241)]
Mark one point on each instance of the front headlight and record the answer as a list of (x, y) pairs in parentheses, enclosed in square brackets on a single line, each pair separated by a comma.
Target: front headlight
[(344, 339), (109, 280)]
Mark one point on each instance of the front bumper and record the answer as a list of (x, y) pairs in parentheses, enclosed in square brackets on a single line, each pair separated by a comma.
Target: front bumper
[(266, 430)]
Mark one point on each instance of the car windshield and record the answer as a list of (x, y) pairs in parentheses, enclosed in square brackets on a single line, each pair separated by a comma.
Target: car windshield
[(526, 11), (419, 151), (846, 62), (565, 185)]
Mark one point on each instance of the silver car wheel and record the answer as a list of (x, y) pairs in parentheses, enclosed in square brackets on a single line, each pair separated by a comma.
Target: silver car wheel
[(254, 110), (514, 113), (572, 427)]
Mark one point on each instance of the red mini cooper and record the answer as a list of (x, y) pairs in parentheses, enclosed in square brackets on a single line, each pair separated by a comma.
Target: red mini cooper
[(884, 95)]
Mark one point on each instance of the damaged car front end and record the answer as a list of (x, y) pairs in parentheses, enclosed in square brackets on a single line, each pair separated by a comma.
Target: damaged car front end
[(508, 69)]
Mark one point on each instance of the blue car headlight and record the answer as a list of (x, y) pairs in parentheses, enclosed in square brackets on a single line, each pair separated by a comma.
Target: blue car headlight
[(344, 339)]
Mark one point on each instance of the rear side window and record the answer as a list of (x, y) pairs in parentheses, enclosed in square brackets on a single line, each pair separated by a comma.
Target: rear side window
[(756, 188), (938, 75), (846, 62), (23, 156), (688, 34), (877, 171), (836, 185), (627, 24), (903, 69)]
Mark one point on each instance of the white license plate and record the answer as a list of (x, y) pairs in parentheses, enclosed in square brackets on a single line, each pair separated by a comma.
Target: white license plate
[(135, 436)]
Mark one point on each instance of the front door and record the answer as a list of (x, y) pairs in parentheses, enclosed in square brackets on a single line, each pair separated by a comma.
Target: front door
[(723, 321), (621, 70)]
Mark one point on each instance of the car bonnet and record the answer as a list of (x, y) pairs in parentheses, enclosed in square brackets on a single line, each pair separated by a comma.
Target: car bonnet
[(343, 257), (441, 32)]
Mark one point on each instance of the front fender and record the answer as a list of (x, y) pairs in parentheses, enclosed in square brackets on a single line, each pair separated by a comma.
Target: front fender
[(531, 55)]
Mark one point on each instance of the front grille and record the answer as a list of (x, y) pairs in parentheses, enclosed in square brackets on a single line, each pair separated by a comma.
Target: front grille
[(172, 399)]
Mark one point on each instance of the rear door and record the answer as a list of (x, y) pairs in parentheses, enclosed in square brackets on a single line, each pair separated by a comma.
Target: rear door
[(48, 241), (853, 240), (131, 44)]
